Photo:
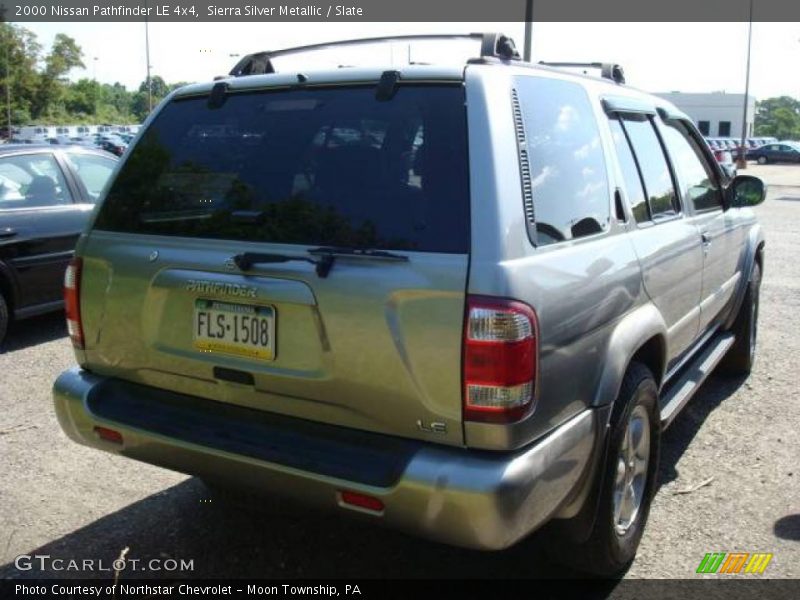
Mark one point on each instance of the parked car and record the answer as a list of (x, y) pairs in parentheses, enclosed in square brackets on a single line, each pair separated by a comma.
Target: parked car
[(776, 153), (46, 195), (83, 141), (116, 147), (463, 301), (723, 156)]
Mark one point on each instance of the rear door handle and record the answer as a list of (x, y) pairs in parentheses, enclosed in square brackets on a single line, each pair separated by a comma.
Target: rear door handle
[(7, 233)]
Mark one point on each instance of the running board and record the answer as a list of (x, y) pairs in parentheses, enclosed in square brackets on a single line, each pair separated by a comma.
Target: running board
[(693, 377)]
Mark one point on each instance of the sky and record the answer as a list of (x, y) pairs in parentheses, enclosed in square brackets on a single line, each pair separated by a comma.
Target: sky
[(657, 57)]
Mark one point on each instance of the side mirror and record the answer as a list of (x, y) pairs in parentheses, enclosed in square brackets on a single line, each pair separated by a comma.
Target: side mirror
[(746, 190)]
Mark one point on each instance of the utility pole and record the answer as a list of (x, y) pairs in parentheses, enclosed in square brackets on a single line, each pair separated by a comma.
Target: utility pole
[(741, 162), (526, 52)]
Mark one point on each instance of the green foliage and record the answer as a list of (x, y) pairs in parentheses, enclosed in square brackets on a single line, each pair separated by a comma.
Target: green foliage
[(39, 91), (778, 117)]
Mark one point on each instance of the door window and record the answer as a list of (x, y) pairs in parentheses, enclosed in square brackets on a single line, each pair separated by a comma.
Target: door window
[(658, 184), (93, 171), (630, 173), (32, 180), (697, 181)]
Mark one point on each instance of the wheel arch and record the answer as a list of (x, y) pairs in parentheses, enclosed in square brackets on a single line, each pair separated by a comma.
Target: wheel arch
[(754, 253), (641, 336)]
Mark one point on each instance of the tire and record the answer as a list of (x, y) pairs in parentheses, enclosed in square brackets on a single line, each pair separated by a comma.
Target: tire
[(618, 526), (4, 318), (762, 160), (742, 355)]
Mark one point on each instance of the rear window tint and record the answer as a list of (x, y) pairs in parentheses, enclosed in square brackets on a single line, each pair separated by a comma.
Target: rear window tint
[(315, 167)]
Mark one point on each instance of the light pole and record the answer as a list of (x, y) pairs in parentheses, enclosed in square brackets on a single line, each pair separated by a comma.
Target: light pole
[(94, 79), (526, 52), (147, 57), (8, 80), (741, 161)]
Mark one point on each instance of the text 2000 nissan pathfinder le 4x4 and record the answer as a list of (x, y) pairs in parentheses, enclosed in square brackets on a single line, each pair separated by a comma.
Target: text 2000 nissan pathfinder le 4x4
[(463, 302)]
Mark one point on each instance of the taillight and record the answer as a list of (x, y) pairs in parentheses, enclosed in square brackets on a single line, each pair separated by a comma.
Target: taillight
[(500, 359), (72, 301)]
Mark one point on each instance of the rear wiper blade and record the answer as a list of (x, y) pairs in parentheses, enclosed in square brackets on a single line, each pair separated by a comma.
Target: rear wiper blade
[(246, 260), (358, 252)]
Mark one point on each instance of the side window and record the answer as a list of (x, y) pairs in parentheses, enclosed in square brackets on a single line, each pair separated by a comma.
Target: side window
[(630, 172), (32, 180), (93, 171), (653, 166), (568, 179), (697, 181)]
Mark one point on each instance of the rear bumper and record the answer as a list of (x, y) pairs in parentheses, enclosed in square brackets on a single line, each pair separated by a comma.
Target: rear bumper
[(469, 498)]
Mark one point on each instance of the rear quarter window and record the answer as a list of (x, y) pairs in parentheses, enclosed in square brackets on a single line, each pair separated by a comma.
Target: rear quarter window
[(568, 175), (316, 167)]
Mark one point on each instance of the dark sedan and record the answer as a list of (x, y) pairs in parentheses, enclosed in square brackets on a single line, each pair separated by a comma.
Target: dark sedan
[(116, 147), (775, 153), (46, 196)]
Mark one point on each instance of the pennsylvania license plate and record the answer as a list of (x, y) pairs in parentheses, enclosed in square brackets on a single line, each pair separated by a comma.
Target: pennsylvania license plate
[(238, 329)]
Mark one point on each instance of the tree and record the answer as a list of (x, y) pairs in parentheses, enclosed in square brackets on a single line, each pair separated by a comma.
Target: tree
[(157, 85), (140, 103), (64, 56), (39, 90), (19, 55), (82, 97), (778, 117)]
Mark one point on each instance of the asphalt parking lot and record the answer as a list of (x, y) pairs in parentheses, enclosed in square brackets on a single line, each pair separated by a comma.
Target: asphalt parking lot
[(729, 480)]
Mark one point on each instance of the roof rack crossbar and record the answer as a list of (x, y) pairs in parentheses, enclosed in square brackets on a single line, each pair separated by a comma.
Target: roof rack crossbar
[(494, 45), (611, 71)]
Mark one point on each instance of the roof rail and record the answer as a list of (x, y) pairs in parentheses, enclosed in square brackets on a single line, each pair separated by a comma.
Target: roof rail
[(610, 71), (493, 45)]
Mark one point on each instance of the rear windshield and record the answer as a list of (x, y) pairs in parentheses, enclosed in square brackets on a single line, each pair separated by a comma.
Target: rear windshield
[(329, 166)]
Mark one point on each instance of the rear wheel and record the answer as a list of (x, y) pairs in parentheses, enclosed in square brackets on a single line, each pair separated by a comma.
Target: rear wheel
[(628, 480), (4, 318), (742, 355)]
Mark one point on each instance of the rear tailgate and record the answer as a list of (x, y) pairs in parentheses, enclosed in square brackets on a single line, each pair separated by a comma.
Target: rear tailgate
[(375, 344)]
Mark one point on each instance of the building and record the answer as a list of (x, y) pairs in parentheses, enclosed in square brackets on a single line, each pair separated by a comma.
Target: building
[(716, 114)]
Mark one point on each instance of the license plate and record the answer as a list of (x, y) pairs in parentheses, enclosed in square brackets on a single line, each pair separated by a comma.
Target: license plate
[(238, 329)]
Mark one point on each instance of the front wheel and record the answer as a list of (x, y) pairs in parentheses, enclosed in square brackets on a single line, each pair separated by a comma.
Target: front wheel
[(628, 480), (762, 160), (742, 355)]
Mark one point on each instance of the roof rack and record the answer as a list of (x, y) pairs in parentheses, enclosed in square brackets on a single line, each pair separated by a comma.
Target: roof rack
[(610, 71), (493, 45)]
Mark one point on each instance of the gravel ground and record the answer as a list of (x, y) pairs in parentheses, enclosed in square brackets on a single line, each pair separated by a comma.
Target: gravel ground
[(739, 437)]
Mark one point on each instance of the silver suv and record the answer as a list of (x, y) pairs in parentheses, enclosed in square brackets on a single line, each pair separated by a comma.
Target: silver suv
[(460, 301)]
